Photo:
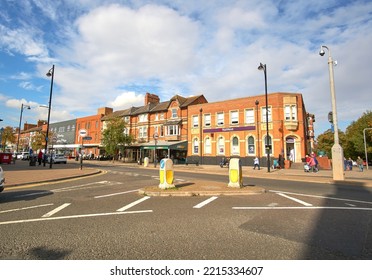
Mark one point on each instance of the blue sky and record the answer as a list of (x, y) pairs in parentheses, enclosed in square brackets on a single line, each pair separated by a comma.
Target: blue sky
[(110, 53)]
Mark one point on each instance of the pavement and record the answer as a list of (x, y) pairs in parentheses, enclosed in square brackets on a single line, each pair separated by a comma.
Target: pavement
[(21, 175)]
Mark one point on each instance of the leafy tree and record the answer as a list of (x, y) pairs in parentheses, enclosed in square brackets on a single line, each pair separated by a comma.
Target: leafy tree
[(113, 137), (354, 146), (325, 141), (38, 141), (7, 136)]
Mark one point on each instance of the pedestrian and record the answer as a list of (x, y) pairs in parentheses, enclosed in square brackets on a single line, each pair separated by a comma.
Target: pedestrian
[(281, 161), (40, 157), (313, 163), (350, 164), (256, 163), (360, 163)]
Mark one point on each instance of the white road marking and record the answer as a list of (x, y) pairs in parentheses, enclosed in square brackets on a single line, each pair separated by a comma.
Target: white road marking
[(301, 208), (73, 217), (349, 204), (113, 194), (205, 202), (325, 197), (133, 204), (51, 213), (295, 199), (86, 186), (25, 208)]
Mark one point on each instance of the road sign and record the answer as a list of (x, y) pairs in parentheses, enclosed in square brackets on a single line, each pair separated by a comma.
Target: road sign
[(155, 136), (83, 132)]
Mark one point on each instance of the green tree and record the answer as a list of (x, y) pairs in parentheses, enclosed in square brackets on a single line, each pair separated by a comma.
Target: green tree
[(113, 137), (7, 137), (325, 141), (354, 145)]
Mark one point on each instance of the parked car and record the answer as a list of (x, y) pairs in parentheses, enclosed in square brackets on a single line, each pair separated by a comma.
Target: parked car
[(2, 179), (23, 155), (58, 158)]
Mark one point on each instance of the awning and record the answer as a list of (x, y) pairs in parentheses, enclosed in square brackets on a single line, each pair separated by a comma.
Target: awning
[(165, 145)]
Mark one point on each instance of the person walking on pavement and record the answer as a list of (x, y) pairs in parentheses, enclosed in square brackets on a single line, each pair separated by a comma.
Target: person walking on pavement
[(360, 164), (40, 157), (256, 163)]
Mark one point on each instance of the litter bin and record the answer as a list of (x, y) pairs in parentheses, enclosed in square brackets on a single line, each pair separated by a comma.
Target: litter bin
[(6, 158), (32, 161)]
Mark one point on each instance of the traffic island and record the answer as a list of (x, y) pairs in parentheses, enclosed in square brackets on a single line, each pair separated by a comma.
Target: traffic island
[(201, 188)]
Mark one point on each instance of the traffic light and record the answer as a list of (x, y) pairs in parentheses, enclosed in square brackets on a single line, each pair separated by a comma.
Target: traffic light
[(330, 117)]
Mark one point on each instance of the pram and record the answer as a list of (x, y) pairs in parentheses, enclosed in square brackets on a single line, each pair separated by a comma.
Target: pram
[(306, 168)]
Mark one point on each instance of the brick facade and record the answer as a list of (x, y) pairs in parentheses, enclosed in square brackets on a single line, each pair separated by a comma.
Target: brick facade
[(237, 128)]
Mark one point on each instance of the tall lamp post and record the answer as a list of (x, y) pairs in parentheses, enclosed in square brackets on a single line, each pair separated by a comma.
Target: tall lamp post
[(365, 144), (337, 152), (20, 120), (262, 67), (201, 135), (258, 130), (49, 74)]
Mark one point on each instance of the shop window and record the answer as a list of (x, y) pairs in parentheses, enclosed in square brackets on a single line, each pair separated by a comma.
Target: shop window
[(235, 146), (221, 146), (195, 146), (251, 145), (208, 146), (268, 144)]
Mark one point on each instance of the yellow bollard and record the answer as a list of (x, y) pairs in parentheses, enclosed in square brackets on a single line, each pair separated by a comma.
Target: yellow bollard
[(166, 174), (235, 173)]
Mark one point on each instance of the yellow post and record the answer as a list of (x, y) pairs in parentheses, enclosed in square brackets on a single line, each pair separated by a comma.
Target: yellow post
[(166, 174), (235, 173)]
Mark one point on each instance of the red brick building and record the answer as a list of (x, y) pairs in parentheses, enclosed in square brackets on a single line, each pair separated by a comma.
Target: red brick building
[(237, 128), (93, 126), (168, 120)]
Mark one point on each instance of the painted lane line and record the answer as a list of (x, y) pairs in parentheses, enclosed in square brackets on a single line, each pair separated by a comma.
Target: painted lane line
[(51, 213), (113, 194), (349, 204), (301, 208), (25, 208), (324, 197), (205, 202), (133, 204), (295, 199), (33, 194), (73, 217)]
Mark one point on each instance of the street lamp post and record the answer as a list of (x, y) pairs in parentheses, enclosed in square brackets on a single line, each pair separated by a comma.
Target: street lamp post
[(49, 74), (20, 120), (258, 130), (201, 136), (365, 144), (262, 67), (337, 152)]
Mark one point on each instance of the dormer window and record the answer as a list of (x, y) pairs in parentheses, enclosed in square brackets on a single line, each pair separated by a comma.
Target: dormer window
[(174, 113)]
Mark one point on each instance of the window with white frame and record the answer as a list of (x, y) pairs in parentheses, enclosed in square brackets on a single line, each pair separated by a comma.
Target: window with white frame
[(235, 145), (234, 117), (174, 113), (161, 131), (221, 146), (207, 120), (290, 112), (251, 146), (195, 121), (208, 146), (263, 119), (249, 116), (195, 146), (156, 116), (172, 130), (220, 119), (142, 132), (126, 119), (126, 131), (162, 116), (142, 118)]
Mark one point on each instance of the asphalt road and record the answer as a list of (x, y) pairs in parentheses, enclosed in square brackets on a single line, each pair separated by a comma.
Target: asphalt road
[(103, 217)]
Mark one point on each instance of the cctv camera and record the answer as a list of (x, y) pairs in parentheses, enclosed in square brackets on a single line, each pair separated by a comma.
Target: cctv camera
[(321, 52)]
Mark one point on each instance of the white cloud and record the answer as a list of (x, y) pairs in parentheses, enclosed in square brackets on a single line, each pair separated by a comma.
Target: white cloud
[(126, 100)]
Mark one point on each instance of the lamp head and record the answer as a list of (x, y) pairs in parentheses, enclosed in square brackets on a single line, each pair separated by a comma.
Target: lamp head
[(49, 74), (257, 102), (262, 67), (321, 52)]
